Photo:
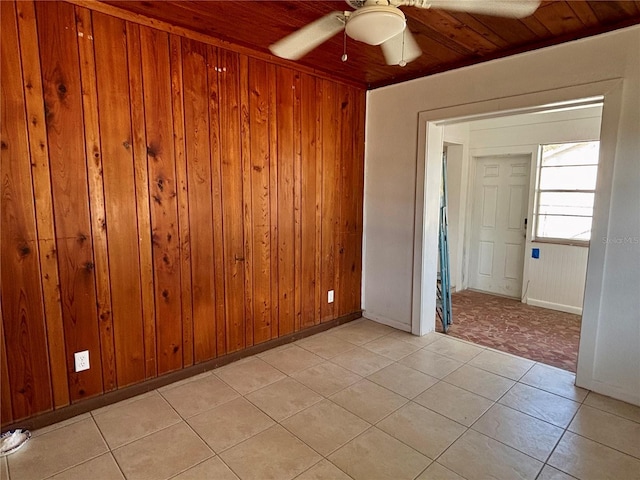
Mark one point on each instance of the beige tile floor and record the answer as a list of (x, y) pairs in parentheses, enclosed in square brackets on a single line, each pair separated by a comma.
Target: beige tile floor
[(361, 401)]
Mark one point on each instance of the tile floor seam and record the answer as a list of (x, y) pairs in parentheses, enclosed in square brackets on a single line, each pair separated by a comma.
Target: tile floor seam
[(129, 442), (451, 445), (351, 371), (215, 454), (441, 414), (185, 418), (451, 357), (327, 459), (117, 464), (195, 464), (288, 416), (564, 429), (556, 468), (516, 448), (364, 419), (229, 467), (192, 466), (546, 391), (506, 445), (225, 449), (227, 384), (500, 375), (390, 435), (413, 448), (175, 410), (78, 464), (335, 449), (610, 412), (103, 439), (470, 391), (581, 402), (66, 469), (602, 444)]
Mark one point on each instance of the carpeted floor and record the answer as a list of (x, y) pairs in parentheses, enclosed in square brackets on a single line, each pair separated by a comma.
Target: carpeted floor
[(508, 325)]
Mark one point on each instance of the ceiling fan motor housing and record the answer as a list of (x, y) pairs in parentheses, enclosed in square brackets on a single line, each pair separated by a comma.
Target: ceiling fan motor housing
[(375, 24)]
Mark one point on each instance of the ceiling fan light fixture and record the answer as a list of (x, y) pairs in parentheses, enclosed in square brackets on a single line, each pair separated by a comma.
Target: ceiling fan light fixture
[(375, 24)]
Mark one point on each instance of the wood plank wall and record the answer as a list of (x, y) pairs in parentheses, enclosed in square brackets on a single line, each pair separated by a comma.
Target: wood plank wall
[(164, 202)]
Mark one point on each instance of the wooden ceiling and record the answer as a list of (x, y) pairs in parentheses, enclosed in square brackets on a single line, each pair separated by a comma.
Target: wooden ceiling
[(449, 40)]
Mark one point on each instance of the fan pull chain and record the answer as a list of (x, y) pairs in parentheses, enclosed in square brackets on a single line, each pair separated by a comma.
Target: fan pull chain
[(402, 61), (344, 51)]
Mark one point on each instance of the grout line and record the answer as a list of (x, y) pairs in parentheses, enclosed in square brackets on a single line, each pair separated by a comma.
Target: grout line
[(556, 468), (609, 412)]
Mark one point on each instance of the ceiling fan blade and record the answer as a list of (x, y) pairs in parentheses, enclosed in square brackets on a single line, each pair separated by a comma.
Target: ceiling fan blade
[(498, 8), (301, 42), (401, 49)]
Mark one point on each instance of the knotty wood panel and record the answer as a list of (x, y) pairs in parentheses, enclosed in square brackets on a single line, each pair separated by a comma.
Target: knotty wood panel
[(247, 214), (273, 192), (40, 168), (6, 413), (330, 195), (196, 109), (175, 52), (310, 202), (297, 202), (145, 251), (96, 195), (195, 201), (216, 187), (232, 199), (346, 202), (259, 174), (352, 186), (120, 199), (156, 77), (287, 84), (64, 118), (24, 328)]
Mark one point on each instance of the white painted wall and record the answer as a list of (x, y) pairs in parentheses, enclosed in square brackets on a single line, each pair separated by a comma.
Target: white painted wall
[(609, 359), (557, 279), (456, 139)]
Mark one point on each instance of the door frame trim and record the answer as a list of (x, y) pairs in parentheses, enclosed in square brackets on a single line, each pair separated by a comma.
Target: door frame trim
[(428, 171)]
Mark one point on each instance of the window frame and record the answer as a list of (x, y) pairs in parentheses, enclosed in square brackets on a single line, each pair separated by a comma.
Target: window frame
[(538, 191)]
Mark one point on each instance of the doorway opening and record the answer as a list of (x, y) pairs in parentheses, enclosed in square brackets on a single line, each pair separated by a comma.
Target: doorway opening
[(482, 198)]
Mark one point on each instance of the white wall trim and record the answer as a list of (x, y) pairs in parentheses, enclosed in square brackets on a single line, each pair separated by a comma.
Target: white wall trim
[(554, 306), (427, 202), (430, 135), (386, 321), (610, 391), (591, 308)]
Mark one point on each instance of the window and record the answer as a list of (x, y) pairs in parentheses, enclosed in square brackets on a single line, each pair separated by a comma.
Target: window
[(565, 192)]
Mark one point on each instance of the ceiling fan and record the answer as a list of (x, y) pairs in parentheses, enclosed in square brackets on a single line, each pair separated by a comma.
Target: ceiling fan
[(381, 22)]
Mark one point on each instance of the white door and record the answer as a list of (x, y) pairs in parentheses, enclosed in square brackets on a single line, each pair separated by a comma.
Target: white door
[(498, 227)]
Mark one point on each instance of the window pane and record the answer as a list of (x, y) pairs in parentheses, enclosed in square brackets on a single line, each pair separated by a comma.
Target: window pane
[(583, 153), (572, 228), (561, 203), (568, 178)]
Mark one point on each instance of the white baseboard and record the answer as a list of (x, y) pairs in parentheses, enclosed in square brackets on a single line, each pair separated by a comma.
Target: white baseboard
[(386, 321), (610, 391), (554, 306)]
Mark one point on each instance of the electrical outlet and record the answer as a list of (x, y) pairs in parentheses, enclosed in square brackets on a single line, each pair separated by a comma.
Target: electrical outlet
[(82, 360), (330, 296)]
